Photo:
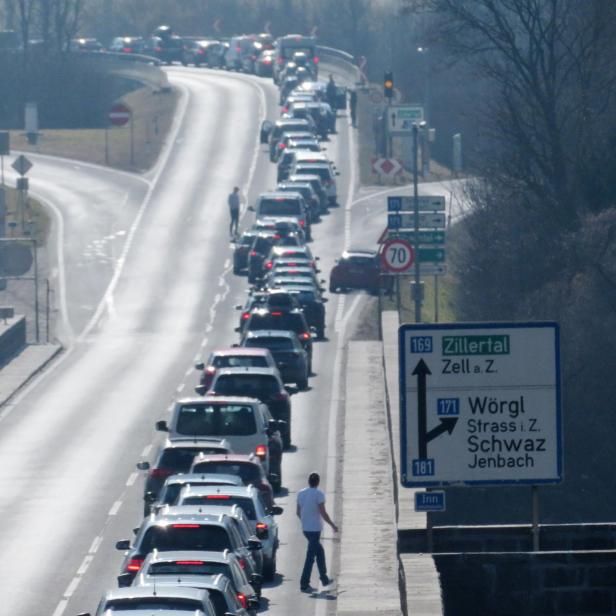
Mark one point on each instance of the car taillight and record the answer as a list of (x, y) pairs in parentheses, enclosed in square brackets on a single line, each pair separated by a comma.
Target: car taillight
[(242, 562), (261, 526), (158, 49), (127, 50), (241, 597), (134, 564), (253, 253), (276, 313), (315, 59), (269, 265), (217, 497), (285, 109), (267, 61), (305, 336), (281, 146), (201, 52), (281, 395), (261, 451), (162, 473), (238, 49), (185, 526), (189, 562), (245, 315), (279, 60), (302, 222), (210, 370)]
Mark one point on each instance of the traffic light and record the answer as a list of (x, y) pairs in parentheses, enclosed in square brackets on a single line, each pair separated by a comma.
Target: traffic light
[(388, 85)]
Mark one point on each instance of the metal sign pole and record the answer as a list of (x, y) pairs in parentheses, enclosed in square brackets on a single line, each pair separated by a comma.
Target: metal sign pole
[(436, 315), (417, 293), (535, 530), (132, 140), (36, 294)]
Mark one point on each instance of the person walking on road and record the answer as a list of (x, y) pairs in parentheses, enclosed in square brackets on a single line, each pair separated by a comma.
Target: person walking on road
[(353, 106), (311, 511), (330, 93), (234, 211)]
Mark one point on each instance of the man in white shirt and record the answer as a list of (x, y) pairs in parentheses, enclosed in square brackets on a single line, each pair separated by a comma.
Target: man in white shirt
[(311, 511)]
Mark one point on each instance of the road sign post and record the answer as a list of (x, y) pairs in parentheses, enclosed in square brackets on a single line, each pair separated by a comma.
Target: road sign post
[(480, 404)]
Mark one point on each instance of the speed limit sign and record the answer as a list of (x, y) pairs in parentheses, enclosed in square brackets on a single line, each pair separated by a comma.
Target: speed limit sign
[(397, 256)]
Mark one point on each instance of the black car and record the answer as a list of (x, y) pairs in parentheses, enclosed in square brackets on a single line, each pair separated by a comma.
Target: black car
[(256, 299), (126, 44), (261, 383), (242, 248), (289, 354), (174, 457), (313, 306), (260, 248), (288, 320), (195, 52)]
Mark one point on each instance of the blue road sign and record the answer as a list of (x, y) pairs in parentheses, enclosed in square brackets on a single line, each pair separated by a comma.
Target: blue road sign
[(430, 501)]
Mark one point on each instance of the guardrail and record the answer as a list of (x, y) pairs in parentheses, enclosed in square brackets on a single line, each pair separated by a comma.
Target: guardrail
[(339, 58)]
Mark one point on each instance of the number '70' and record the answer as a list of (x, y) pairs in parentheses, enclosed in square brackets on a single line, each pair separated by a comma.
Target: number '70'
[(398, 255)]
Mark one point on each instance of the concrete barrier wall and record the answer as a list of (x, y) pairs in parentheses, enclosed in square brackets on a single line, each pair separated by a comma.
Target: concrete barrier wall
[(546, 584), (12, 338)]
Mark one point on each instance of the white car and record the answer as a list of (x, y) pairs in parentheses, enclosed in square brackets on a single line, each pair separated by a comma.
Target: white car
[(325, 171), (254, 505)]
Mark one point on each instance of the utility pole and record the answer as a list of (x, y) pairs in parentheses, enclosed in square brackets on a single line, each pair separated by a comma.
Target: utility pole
[(417, 289)]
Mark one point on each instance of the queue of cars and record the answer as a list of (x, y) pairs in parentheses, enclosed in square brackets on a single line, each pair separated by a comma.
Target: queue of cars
[(209, 536)]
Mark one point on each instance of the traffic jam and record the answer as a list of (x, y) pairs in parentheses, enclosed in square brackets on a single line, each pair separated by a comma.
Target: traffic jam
[(209, 537)]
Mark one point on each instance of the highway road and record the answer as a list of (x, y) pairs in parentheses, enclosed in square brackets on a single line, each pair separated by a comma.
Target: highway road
[(144, 271)]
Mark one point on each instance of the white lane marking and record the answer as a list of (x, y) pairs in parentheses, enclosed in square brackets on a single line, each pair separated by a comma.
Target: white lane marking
[(197, 357), (70, 589), (85, 564), (203, 343), (180, 387), (95, 544), (60, 608), (132, 478), (158, 169), (115, 508), (339, 312), (189, 371), (354, 305), (146, 451), (227, 264)]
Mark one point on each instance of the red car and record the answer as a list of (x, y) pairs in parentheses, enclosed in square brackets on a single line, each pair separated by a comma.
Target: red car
[(232, 358), (356, 269)]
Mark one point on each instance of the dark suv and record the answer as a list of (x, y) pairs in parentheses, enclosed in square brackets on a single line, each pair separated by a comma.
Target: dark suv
[(288, 320), (242, 248), (260, 248)]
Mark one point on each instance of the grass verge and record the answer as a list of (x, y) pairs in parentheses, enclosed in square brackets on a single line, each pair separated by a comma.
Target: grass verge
[(29, 219)]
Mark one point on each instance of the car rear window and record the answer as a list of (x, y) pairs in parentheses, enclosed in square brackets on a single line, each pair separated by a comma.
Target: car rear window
[(240, 361), (216, 420), (250, 385), (186, 536), (280, 207), (191, 567), (287, 321), (180, 459), (322, 171), (273, 344), (247, 239), (224, 500), (153, 603), (263, 244), (249, 473)]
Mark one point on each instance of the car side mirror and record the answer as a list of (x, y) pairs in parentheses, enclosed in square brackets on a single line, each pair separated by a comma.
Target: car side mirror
[(124, 544), (276, 510), (337, 172), (143, 465), (149, 497), (317, 271), (256, 579), (84, 614), (322, 281), (254, 544), (235, 345), (162, 426), (250, 208), (200, 389), (199, 366), (317, 258), (238, 306), (324, 300), (237, 329), (124, 580), (135, 530)]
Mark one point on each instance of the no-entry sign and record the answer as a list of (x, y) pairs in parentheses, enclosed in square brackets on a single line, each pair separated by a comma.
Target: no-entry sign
[(480, 404), (119, 114), (397, 256)]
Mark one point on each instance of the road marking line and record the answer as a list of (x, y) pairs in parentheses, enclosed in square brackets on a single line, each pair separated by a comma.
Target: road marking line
[(60, 608), (70, 589), (189, 371), (146, 451), (85, 564), (180, 387), (339, 312), (115, 508), (132, 478), (95, 544), (227, 264)]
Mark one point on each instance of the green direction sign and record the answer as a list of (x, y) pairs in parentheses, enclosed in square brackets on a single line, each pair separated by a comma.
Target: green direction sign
[(431, 255), (424, 237)]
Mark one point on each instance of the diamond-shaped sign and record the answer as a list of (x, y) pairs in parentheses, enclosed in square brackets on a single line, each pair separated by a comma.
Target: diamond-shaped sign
[(386, 166), (22, 165)]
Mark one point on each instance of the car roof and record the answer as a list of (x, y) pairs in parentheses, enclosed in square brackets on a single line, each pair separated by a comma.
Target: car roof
[(184, 441), (278, 194), (270, 333), (241, 350), (220, 557), (230, 457), (291, 121), (247, 491), (196, 477), (216, 581), (246, 370), (190, 514), (358, 252), (218, 400), (150, 591)]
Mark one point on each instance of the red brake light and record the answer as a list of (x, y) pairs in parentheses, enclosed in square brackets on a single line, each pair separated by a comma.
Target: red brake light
[(189, 562), (281, 146), (210, 370), (158, 49), (261, 451), (253, 253), (315, 59), (185, 526), (267, 61), (238, 49), (245, 315), (242, 599), (242, 563), (134, 564), (282, 395), (163, 473), (217, 497), (127, 50), (302, 222), (285, 109), (276, 314), (305, 336), (261, 526), (269, 265)]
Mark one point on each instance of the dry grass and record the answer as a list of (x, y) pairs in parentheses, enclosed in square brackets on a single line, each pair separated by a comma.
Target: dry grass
[(31, 220), (152, 117)]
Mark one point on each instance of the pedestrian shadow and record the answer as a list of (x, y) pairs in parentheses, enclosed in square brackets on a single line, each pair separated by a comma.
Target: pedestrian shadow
[(326, 595), (277, 581), (281, 493)]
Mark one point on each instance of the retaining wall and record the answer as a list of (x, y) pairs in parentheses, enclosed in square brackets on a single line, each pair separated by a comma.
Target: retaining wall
[(12, 338)]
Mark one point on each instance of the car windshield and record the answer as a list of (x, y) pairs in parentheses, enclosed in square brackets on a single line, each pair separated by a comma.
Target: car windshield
[(251, 385), (216, 420), (180, 458), (280, 207), (240, 361), (185, 536), (273, 344), (224, 500), (189, 567), (248, 472)]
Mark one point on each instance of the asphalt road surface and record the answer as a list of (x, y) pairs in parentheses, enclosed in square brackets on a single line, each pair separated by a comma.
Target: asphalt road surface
[(144, 272)]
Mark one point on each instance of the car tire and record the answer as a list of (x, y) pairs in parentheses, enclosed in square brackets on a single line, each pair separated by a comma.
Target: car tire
[(237, 269), (286, 438), (332, 287), (302, 384), (269, 569), (321, 332)]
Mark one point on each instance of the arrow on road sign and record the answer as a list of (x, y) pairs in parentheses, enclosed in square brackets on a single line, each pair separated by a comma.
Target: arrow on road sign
[(407, 221), (447, 423), (425, 202), (431, 255)]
